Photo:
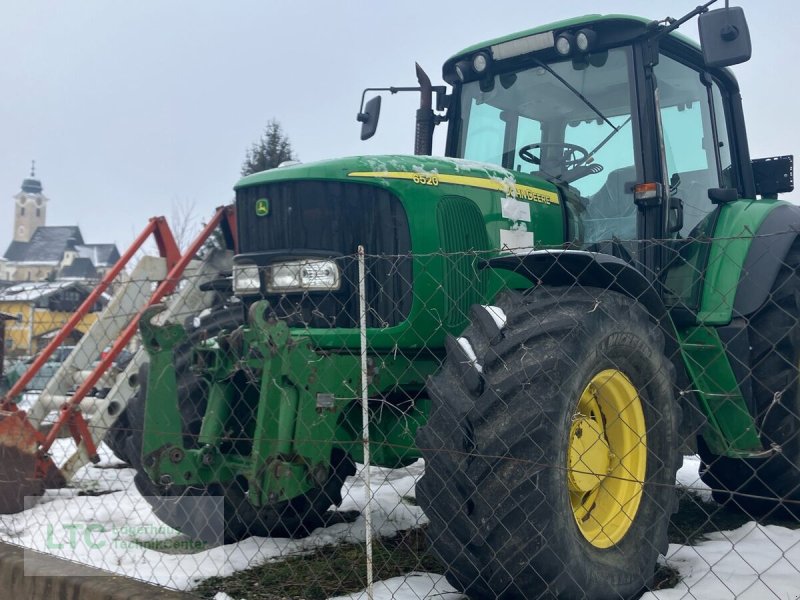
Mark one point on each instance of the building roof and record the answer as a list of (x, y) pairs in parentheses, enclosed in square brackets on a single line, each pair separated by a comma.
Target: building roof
[(46, 246), (81, 268), (34, 290), (101, 255), (32, 186)]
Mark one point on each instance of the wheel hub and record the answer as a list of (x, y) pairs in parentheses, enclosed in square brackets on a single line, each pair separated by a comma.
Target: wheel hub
[(607, 458), (589, 455)]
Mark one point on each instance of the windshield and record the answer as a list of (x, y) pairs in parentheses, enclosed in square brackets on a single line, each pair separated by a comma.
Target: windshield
[(569, 122)]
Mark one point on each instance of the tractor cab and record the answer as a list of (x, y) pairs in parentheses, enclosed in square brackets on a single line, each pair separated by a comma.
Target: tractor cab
[(641, 136)]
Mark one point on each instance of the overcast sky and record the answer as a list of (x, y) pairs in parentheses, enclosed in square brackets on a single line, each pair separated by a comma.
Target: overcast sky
[(132, 107)]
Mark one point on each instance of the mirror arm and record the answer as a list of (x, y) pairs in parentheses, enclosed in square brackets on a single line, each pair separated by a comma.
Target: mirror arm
[(675, 23), (426, 120), (361, 117)]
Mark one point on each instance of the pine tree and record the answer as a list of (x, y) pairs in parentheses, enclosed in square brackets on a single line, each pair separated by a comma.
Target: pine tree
[(269, 151)]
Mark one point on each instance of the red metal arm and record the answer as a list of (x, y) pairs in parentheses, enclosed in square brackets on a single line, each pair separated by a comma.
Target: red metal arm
[(166, 244), (69, 410)]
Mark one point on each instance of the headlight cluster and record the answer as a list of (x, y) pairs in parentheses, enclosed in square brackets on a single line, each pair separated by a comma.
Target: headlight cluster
[(246, 279), (291, 276)]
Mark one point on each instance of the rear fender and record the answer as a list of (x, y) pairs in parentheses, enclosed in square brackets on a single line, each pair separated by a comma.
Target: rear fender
[(750, 240), (765, 257)]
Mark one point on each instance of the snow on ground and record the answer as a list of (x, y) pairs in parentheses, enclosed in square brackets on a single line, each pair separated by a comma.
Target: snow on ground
[(688, 477), (413, 586), (117, 531), (753, 562), (108, 531)]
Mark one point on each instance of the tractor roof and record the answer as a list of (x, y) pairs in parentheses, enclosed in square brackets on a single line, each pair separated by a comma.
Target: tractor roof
[(573, 23)]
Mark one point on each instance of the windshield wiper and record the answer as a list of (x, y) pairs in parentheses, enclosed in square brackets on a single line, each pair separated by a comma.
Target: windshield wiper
[(572, 89), (609, 136)]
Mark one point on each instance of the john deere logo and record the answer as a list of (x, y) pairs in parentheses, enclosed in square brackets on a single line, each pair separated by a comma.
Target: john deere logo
[(262, 207)]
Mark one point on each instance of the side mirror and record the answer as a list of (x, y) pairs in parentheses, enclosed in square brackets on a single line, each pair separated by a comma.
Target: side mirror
[(724, 37), (369, 118)]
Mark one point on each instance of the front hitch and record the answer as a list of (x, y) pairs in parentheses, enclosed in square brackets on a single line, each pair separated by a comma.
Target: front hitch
[(162, 438), (262, 351)]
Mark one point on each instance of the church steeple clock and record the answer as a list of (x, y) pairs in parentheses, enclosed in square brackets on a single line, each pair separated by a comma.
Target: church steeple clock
[(30, 207)]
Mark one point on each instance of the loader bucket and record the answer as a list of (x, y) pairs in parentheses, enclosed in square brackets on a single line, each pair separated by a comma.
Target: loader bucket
[(22, 471)]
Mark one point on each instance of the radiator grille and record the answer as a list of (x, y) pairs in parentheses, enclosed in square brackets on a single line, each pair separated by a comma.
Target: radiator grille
[(462, 232), (333, 217)]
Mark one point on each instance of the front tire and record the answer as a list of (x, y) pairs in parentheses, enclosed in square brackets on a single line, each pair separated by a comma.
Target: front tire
[(552, 472)]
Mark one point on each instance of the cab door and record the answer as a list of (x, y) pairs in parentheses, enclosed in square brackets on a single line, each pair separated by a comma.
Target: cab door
[(698, 156)]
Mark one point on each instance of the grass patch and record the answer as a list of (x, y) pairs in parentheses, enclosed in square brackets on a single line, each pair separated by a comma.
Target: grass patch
[(329, 571), (695, 518), (665, 578)]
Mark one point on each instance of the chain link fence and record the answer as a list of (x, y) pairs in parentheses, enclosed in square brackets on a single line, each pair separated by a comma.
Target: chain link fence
[(534, 424)]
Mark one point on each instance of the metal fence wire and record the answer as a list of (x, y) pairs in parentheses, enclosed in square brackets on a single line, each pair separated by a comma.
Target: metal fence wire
[(533, 423)]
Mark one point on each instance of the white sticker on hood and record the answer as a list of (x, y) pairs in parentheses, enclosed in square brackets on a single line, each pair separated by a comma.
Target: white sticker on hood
[(517, 240), (516, 210)]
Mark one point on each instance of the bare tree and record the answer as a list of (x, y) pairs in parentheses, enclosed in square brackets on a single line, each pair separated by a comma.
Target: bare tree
[(183, 221)]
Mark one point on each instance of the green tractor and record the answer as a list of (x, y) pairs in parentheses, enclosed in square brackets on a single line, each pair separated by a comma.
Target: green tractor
[(583, 289)]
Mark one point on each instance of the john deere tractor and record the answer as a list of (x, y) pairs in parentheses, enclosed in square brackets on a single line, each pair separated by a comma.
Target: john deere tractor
[(595, 279)]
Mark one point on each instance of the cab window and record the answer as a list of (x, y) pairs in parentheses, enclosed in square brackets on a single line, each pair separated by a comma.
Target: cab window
[(691, 156), (569, 122), (495, 136)]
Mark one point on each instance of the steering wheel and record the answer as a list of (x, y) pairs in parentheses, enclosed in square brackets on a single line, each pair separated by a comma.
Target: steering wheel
[(572, 156)]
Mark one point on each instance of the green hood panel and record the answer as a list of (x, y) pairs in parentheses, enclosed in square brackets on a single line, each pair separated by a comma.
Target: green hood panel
[(384, 169)]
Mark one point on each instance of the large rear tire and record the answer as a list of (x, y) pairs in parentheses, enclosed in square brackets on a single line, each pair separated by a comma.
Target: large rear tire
[(552, 471), (768, 486)]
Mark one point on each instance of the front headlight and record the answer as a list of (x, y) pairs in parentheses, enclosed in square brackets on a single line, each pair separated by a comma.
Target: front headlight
[(303, 275), (246, 280)]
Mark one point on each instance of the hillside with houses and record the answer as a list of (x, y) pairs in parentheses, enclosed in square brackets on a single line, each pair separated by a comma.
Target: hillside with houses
[(46, 272)]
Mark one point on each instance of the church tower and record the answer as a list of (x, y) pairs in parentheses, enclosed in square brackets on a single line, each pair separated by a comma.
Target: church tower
[(30, 207)]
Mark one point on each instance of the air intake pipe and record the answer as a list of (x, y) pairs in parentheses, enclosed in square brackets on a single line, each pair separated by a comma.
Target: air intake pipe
[(426, 121)]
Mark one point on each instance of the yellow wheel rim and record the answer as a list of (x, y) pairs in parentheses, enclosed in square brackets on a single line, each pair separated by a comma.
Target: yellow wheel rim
[(607, 458)]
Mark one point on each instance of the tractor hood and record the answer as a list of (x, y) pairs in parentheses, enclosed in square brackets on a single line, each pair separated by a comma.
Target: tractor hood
[(423, 222), (423, 170)]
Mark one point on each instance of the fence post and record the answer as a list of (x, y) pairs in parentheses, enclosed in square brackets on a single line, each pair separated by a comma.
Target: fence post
[(362, 302)]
